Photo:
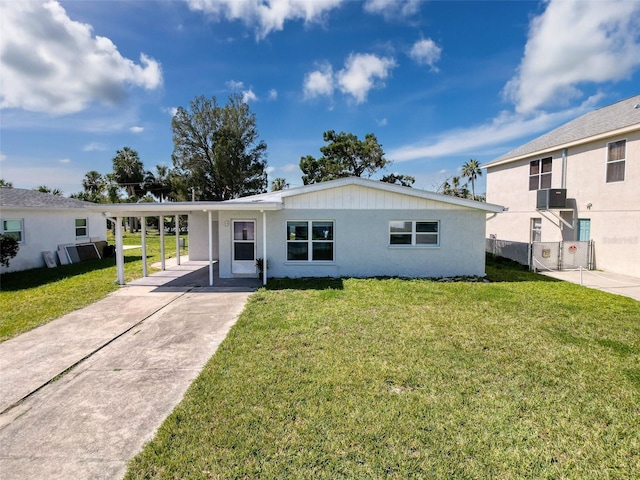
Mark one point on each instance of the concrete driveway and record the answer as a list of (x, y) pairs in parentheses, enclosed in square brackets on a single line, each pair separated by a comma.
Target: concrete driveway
[(606, 281), (81, 395)]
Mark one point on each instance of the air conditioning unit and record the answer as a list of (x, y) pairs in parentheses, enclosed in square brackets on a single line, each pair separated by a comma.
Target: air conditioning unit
[(549, 198)]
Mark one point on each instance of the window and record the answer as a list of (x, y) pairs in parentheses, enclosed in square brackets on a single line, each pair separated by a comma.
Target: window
[(536, 229), (414, 233), (540, 174), (310, 241), (616, 153), (81, 227), (13, 228)]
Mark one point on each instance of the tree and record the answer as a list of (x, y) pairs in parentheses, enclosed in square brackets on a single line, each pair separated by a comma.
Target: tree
[(128, 173), (455, 189), (159, 184), (279, 184), (472, 171), (94, 185), (344, 156), (218, 149), (44, 189), (404, 180), (4, 183), (9, 247)]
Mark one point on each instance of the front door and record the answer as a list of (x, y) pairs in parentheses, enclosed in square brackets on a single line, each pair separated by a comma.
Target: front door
[(244, 247)]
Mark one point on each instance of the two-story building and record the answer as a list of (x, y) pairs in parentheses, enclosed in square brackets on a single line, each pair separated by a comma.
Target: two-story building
[(578, 182)]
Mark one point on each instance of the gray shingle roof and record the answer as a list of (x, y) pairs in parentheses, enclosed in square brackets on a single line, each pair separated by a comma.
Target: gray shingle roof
[(606, 119), (23, 198)]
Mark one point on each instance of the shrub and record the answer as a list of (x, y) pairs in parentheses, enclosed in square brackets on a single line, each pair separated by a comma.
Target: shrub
[(8, 249)]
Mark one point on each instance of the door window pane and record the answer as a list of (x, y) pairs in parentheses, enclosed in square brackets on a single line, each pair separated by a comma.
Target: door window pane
[(243, 231), (243, 251)]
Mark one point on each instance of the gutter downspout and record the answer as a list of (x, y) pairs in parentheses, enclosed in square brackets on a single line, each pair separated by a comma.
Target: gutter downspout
[(162, 253)]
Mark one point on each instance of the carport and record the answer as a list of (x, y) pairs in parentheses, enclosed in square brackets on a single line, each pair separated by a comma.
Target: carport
[(116, 212)]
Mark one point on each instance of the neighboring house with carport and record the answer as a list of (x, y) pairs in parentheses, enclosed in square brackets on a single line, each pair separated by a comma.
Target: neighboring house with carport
[(350, 227), (578, 182), (42, 222)]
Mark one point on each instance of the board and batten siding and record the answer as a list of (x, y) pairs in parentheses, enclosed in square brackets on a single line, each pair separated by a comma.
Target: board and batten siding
[(356, 197)]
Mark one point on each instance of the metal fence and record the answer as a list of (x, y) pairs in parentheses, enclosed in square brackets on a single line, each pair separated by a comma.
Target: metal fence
[(545, 255)]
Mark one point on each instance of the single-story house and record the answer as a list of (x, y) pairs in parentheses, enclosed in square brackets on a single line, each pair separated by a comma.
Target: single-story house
[(350, 227), (42, 222)]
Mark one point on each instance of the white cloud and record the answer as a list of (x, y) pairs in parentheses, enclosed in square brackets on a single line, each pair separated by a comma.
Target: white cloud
[(171, 111), (319, 82), (265, 16), (270, 170), (136, 129), (65, 161), (249, 96), (235, 85), (53, 64), (362, 72), (574, 42), (392, 8), (273, 94), (382, 122), (507, 126), (94, 147), (3, 157), (426, 52), (290, 168)]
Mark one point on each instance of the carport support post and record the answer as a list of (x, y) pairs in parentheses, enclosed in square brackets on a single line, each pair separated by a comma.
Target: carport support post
[(210, 249), (143, 237), (178, 239), (264, 247), (161, 227), (119, 251)]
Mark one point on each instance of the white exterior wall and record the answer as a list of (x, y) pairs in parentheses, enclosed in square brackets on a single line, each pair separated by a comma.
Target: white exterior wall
[(46, 229), (614, 211), (361, 219), (199, 235)]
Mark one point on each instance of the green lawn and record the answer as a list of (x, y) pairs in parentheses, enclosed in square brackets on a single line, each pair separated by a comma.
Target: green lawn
[(35, 297), (387, 378)]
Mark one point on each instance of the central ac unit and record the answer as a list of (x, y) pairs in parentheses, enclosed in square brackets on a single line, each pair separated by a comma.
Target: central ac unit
[(551, 198)]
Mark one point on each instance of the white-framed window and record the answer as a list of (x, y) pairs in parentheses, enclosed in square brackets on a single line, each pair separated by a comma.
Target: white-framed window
[(536, 229), (310, 241), (417, 233), (13, 227), (82, 229), (616, 156), (540, 173)]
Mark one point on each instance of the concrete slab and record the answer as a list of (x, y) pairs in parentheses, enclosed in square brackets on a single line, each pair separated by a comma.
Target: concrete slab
[(605, 281), (90, 421)]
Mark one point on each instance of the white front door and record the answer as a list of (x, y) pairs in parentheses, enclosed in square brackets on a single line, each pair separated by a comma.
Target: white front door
[(243, 253)]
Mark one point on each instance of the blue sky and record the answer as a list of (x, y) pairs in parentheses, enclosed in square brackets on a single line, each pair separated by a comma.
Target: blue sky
[(437, 82)]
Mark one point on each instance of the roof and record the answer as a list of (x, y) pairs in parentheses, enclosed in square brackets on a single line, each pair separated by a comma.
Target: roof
[(275, 200), (32, 199), (364, 182), (619, 118)]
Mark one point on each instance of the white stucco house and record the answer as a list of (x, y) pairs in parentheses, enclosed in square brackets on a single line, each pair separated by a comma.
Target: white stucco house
[(578, 182), (346, 227), (41, 222)]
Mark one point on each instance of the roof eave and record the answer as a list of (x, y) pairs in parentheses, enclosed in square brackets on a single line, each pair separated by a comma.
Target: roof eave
[(581, 141)]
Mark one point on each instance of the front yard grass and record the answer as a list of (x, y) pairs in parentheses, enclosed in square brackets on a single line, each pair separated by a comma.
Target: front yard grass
[(389, 378), (34, 297)]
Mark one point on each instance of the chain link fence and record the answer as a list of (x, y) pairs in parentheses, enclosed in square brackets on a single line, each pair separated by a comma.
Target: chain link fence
[(545, 255)]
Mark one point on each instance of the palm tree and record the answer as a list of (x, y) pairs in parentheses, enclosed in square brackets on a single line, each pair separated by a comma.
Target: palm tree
[(279, 184), (94, 186), (128, 172), (472, 171)]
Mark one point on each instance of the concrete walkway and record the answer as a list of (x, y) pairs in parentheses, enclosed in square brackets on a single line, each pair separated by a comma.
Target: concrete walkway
[(81, 395), (605, 281)]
